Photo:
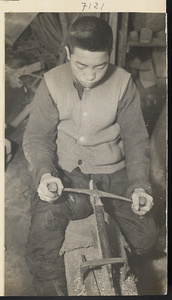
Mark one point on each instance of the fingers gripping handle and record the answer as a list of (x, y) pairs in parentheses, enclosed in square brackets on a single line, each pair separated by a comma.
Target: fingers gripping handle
[(142, 201), (53, 188)]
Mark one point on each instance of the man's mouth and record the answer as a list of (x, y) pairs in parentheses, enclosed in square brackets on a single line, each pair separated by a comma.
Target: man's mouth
[(89, 84)]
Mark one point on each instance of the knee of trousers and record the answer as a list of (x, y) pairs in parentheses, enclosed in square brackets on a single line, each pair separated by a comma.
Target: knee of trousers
[(46, 236), (146, 237), (80, 206)]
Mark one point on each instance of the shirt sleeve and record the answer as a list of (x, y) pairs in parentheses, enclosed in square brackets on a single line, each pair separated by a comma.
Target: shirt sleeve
[(135, 139), (39, 140)]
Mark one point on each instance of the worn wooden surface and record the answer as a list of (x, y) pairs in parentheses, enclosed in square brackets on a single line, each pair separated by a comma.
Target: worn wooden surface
[(96, 281), (113, 22), (123, 35)]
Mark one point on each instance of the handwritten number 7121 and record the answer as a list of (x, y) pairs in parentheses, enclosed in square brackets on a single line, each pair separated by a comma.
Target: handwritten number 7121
[(95, 5)]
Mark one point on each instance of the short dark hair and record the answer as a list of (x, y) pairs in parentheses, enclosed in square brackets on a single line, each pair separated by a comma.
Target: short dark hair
[(90, 33)]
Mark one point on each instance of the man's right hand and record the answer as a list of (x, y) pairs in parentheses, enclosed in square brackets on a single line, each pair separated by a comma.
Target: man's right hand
[(43, 190)]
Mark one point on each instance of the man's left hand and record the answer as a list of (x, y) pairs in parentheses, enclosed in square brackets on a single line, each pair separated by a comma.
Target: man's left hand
[(137, 206)]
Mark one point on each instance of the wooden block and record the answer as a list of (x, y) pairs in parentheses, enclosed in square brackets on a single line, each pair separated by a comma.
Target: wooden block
[(146, 65), (159, 61), (134, 37), (136, 64), (161, 34), (145, 36), (148, 78)]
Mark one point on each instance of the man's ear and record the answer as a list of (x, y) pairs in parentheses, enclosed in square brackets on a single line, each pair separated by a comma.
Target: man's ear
[(67, 52)]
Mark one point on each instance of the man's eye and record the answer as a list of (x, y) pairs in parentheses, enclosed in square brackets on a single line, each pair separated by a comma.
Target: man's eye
[(80, 66), (101, 67)]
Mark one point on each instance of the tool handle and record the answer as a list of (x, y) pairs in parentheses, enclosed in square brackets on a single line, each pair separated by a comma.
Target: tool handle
[(52, 187), (142, 201)]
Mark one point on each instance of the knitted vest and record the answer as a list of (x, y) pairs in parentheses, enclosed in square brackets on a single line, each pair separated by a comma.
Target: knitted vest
[(88, 134)]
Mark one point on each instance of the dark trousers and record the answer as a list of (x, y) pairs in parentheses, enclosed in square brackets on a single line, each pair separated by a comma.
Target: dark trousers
[(49, 222)]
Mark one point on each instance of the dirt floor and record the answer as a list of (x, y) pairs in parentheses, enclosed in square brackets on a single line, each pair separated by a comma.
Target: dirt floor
[(18, 190)]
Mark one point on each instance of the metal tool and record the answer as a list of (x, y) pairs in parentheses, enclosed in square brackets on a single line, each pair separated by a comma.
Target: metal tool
[(95, 193)]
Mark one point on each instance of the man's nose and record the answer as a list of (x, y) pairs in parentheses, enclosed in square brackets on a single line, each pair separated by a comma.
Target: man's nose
[(90, 75)]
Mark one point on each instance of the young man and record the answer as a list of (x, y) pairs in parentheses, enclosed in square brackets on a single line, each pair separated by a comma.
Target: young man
[(86, 121)]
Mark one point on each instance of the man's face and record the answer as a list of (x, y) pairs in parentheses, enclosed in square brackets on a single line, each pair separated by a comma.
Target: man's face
[(88, 67)]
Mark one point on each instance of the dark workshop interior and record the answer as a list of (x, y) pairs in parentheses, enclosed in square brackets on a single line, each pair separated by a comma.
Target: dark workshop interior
[(34, 44)]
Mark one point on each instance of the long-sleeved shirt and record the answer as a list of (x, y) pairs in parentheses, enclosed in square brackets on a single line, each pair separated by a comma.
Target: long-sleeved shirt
[(101, 130)]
